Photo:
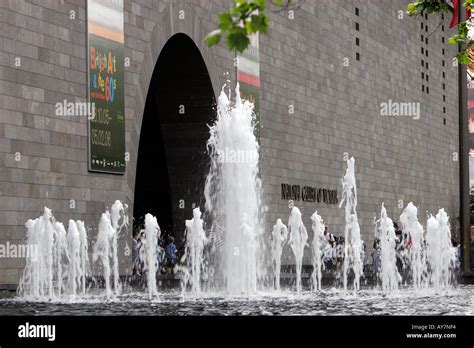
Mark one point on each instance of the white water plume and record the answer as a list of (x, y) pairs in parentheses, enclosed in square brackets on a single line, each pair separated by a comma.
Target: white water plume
[(317, 246), (386, 234), (279, 238), (232, 193), (58, 266), (194, 255), (414, 232), (149, 252), (298, 239), (439, 249), (106, 246), (352, 241)]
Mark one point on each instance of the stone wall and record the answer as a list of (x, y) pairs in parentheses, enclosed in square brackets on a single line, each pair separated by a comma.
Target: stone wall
[(308, 62)]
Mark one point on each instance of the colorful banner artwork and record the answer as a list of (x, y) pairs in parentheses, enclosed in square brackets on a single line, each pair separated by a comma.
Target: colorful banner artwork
[(106, 85), (248, 76)]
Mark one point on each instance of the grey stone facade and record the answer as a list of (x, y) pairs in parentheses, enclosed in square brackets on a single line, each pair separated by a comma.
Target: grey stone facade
[(308, 62)]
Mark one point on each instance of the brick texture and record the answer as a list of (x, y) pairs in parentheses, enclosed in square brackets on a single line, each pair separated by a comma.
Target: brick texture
[(308, 62)]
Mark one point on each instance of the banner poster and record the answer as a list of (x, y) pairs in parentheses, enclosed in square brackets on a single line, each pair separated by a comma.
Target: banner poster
[(470, 117), (248, 76), (470, 111), (106, 127)]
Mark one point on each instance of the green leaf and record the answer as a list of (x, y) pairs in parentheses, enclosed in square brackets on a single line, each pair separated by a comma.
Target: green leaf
[(237, 39), (417, 7), (260, 4), (213, 38), (258, 23), (225, 21), (462, 57), (411, 8), (452, 41), (240, 10)]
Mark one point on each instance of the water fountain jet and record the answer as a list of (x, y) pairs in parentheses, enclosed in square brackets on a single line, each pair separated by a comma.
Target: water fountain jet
[(386, 234), (298, 239), (279, 237), (37, 278), (317, 246), (352, 241), (194, 254), (233, 194), (414, 232), (83, 255), (149, 254), (439, 249), (102, 249), (74, 249)]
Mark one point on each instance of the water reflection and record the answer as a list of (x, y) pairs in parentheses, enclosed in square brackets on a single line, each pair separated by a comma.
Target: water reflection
[(458, 301)]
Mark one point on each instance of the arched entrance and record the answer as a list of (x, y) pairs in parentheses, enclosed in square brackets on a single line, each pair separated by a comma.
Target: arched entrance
[(172, 160)]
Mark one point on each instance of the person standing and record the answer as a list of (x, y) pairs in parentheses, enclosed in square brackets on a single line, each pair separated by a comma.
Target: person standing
[(328, 254), (363, 256), (328, 235), (376, 259), (455, 262), (399, 247), (339, 251), (136, 244), (160, 255), (171, 255)]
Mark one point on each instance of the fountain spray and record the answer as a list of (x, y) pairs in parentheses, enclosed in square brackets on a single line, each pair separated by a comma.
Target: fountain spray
[(386, 233), (83, 255), (298, 239), (119, 220), (352, 241), (194, 255), (102, 251), (438, 249), (279, 236), (317, 246), (414, 231), (60, 254), (60, 264), (39, 273), (149, 246), (232, 192), (75, 265)]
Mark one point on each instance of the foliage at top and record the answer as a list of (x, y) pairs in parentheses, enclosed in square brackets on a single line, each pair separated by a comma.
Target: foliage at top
[(462, 38), (248, 17), (245, 18)]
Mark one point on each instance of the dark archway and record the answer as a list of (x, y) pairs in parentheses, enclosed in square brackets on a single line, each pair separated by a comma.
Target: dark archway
[(172, 161)]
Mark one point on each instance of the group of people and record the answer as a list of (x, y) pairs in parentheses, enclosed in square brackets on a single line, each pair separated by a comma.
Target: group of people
[(404, 244), (333, 253), (332, 257), (166, 254)]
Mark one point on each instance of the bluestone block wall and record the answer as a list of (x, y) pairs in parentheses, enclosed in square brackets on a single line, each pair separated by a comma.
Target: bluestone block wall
[(308, 62)]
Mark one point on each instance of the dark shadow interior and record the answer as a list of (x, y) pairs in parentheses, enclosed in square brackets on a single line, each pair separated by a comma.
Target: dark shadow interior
[(172, 158)]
